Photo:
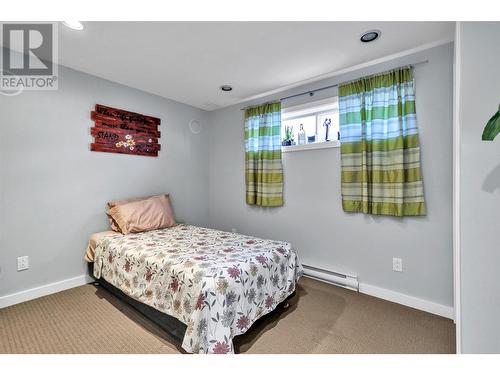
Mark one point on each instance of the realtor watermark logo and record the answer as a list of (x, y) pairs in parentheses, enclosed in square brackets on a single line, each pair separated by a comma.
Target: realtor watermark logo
[(28, 57)]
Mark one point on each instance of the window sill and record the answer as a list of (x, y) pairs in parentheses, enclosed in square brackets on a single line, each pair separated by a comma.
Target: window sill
[(310, 146)]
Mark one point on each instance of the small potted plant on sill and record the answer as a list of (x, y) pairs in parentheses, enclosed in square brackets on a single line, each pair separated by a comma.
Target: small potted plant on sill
[(288, 140)]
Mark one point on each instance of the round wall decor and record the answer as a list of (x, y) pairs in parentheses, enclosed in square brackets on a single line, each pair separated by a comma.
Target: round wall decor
[(195, 126)]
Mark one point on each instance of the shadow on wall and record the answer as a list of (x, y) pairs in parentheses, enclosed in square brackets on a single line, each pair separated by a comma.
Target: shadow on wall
[(492, 181), (402, 222), (261, 209)]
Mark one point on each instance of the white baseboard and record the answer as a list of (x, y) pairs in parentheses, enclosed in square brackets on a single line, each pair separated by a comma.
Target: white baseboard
[(44, 290), (410, 301), (375, 291)]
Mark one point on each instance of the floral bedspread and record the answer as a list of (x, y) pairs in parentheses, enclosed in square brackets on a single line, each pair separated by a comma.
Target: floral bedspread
[(217, 283)]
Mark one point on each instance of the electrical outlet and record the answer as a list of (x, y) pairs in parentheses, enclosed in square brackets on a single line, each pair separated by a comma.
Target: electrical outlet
[(397, 264), (23, 263)]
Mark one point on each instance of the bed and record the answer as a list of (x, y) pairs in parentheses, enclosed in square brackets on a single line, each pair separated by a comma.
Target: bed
[(217, 284)]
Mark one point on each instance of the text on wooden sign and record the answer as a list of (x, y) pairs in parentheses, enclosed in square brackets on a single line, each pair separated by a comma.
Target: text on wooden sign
[(124, 132)]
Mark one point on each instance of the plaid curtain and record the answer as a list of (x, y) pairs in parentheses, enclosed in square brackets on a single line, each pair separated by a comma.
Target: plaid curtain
[(263, 167), (380, 149)]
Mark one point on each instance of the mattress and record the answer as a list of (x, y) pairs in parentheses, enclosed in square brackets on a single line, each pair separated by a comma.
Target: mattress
[(94, 239), (217, 283)]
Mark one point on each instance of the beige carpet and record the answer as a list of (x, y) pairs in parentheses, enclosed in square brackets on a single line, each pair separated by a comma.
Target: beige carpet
[(321, 319)]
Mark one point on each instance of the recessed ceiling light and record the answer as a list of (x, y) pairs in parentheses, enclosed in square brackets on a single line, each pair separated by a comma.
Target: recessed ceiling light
[(370, 36), (75, 25), (226, 88)]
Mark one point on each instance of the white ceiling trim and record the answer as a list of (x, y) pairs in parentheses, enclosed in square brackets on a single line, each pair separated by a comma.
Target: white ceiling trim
[(367, 64)]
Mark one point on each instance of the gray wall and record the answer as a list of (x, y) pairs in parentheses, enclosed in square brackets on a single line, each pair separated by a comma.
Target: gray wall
[(53, 190), (480, 188), (312, 218)]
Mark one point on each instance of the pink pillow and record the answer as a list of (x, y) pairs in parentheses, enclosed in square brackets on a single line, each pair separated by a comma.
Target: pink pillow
[(112, 222), (123, 201), (143, 215)]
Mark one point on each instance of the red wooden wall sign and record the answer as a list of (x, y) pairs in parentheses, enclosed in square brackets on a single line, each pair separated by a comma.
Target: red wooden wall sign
[(124, 132)]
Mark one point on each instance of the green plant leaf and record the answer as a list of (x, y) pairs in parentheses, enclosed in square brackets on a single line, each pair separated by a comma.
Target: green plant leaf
[(492, 128)]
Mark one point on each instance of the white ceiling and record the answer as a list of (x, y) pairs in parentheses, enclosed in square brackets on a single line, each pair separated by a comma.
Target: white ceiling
[(189, 61)]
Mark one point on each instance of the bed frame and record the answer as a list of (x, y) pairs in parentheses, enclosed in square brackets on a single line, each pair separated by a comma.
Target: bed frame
[(174, 328)]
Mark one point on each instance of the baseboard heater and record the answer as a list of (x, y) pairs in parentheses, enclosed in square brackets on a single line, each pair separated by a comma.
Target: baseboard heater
[(348, 281)]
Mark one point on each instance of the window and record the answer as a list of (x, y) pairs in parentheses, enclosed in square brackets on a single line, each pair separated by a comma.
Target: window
[(315, 118)]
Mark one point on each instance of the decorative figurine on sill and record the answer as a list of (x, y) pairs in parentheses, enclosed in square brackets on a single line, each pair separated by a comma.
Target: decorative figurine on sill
[(327, 124), (288, 140), (301, 137)]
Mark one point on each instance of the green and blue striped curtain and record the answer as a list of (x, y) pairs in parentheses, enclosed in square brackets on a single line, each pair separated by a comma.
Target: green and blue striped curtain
[(263, 167), (380, 149)]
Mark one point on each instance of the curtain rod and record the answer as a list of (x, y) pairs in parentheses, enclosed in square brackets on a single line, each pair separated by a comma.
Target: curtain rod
[(311, 92)]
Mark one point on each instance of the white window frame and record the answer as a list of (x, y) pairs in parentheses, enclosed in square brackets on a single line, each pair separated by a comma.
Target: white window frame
[(311, 109)]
